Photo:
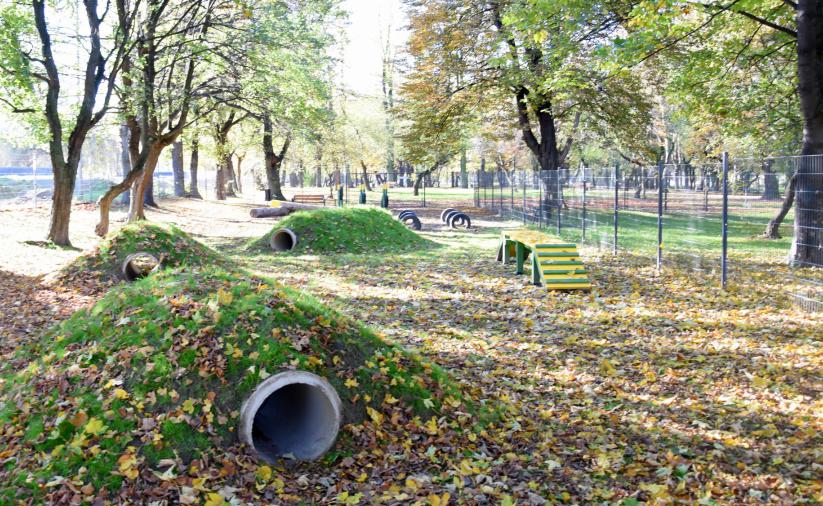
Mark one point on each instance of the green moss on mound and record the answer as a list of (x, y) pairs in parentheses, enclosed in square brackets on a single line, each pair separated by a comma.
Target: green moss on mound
[(349, 230), (104, 263), (158, 369)]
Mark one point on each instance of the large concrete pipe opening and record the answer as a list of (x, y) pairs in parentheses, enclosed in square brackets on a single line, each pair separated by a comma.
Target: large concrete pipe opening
[(294, 414), (139, 265), (283, 239)]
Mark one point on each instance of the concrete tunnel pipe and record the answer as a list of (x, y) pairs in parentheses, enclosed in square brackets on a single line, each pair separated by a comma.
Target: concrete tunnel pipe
[(139, 265), (293, 414), (283, 239)]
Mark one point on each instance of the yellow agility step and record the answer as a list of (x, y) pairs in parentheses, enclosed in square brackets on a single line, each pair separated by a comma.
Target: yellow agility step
[(554, 264)]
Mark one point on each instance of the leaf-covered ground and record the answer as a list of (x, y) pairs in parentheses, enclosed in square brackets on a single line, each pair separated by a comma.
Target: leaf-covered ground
[(649, 390), (652, 389)]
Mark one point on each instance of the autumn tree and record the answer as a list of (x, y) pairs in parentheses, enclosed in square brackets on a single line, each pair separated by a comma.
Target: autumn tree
[(32, 82), (765, 73), (177, 57)]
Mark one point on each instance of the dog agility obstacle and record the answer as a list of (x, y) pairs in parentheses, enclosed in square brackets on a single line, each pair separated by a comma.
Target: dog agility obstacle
[(554, 264)]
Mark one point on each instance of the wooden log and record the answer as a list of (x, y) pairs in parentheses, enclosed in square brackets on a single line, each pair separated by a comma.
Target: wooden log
[(297, 206), (269, 212)]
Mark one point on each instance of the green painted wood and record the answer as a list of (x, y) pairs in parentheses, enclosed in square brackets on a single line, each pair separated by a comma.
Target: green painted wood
[(561, 262), (568, 281), (564, 271), (549, 254), (565, 246)]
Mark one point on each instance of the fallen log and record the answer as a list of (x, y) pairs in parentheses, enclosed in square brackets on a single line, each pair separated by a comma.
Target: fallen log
[(297, 206), (269, 212)]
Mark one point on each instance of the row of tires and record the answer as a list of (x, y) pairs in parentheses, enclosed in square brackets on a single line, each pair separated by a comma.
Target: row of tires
[(410, 219), (455, 218), (451, 217)]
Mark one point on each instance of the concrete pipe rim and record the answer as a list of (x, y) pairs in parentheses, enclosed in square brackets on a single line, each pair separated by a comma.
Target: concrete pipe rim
[(262, 426), (444, 212), (130, 273), (283, 239)]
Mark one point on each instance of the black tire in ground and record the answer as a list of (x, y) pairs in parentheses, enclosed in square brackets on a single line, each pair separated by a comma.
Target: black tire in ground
[(445, 212), (460, 220), (405, 213), (413, 222), (449, 215)]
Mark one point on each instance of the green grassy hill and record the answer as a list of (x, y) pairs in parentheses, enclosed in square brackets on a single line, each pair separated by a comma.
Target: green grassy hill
[(350, 230), (158, 369)]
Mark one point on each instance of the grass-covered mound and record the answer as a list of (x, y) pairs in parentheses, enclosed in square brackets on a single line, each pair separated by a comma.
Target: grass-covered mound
[(348, 230), (156, 372), (103, 264)]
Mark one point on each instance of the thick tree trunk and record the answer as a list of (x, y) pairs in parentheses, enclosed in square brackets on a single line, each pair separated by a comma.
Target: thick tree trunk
[(464, 171), (366, 181), (272, 160), (771, 190), (125, 159), (773, 228), (194, 192), (177, 168), (238, 175), (61, 207), (148, 192), (142, 183), (807, 247)]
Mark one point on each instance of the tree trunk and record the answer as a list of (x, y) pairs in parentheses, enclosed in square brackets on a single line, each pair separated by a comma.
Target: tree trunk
[(194, 192), (125, 159), (177, 168), (132, 180), (143, 183), (272, 160), (61, 207), (366, 181), (464, 171), (770, 183), (148, 193), (807, 247), (773, 228), (238, 176)]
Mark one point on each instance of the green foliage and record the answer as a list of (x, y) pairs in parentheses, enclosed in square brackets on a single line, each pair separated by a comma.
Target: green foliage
[(724, 70), (20, 90), (349, 230)]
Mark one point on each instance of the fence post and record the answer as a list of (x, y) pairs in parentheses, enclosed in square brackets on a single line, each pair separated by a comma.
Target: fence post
[(583, 223), (559, 203), (660, 183), (524, 196), (724, 273), (511, 201), (540, 199), (500, 175), (616, 206), (34, 178)]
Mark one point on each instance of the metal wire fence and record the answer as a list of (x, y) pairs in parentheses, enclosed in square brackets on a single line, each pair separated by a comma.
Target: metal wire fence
[(26, 181), (713, 218)]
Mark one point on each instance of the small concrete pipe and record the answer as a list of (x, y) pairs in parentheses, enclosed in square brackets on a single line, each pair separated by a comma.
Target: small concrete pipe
[(293, 414), (139, 265), (283, 239)]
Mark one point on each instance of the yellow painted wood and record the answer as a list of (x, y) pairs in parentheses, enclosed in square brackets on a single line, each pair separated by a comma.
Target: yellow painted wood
[(565, 266)]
